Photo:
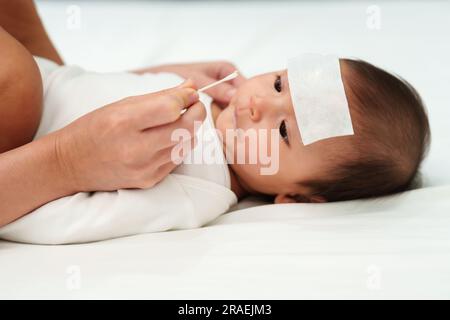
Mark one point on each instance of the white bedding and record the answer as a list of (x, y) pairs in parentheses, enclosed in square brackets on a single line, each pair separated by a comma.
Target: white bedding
[(397, 247)]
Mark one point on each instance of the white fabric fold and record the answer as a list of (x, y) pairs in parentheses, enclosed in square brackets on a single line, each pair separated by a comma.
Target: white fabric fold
[(192, 196)]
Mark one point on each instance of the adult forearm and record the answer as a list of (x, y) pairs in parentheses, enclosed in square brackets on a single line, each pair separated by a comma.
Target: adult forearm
[(30, 176), (20, 19)]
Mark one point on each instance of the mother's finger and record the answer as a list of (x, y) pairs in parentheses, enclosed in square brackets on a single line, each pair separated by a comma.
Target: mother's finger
[(176, 153), (240, 79), (164, 171), (191, 119), (187, 124), (220, 69), (156, 109), (222, 92)]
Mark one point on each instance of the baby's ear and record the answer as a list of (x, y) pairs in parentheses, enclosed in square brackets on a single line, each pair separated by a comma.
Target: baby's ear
[(317, 199), (287, 198), (284, 198)]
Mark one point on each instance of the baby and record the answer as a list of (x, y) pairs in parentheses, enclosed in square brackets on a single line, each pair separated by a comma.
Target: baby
[(383, 156), (391, 136)]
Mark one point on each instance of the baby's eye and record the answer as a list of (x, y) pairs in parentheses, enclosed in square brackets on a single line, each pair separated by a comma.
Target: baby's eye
[(283, 132), (277, 84)]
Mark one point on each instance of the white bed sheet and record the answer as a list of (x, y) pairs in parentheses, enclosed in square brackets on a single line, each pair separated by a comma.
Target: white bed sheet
[(385, 248), (394, 248)]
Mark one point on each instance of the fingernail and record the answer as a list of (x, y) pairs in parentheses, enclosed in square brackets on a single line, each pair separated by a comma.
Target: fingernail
[(231, 93), (193, 96)]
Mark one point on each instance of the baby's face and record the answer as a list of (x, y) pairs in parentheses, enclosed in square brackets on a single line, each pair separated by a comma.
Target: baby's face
[(264, 102)]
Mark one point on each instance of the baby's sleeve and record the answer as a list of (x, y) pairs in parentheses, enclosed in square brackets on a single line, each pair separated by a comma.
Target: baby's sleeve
[(86, 217)]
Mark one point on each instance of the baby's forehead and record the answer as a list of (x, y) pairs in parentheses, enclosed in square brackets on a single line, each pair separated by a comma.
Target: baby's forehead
[(280, 72)]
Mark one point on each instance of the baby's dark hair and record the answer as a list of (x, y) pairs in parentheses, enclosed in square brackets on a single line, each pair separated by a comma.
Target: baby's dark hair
[(392, 136)]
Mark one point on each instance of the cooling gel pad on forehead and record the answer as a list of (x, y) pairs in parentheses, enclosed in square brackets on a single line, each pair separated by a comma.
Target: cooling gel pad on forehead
[(318, 97)]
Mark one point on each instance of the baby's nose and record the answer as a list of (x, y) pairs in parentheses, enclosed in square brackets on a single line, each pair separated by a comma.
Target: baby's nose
[(256, 107)]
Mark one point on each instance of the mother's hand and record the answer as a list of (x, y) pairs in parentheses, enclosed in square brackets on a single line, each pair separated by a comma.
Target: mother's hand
[(203, 74), (127, 144)]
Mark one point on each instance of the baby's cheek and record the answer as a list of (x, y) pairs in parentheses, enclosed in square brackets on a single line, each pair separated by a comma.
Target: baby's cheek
[(223, 121)]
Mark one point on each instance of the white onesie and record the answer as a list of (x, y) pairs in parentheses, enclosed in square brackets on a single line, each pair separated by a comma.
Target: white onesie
[(191, 196)]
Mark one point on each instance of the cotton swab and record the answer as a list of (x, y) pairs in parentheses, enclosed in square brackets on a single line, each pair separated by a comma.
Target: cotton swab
[(227, 78)]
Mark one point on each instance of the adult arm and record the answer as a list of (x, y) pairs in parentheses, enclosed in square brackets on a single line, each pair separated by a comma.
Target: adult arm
[(21, 20), (22, 35), (126, 144), (30, 176), (20, 94)]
